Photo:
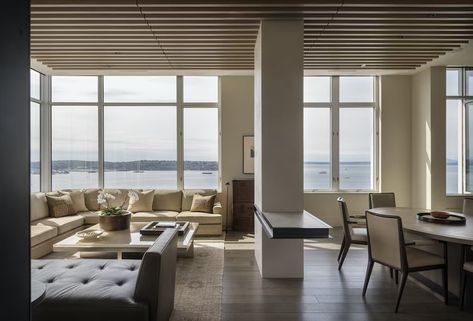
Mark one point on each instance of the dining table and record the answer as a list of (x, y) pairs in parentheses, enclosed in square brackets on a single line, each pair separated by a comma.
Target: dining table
[(458, 234)]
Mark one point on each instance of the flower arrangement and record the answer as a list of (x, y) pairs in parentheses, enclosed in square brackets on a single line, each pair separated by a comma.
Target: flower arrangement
[(104, 199)]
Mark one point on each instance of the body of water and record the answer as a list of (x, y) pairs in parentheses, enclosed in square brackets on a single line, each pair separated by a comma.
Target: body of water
[(316, 176)]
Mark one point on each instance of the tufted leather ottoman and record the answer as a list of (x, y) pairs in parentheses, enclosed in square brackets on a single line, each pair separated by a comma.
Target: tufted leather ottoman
[(109, 289)]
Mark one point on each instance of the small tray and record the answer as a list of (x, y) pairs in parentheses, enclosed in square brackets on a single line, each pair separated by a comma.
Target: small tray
[(152, 228), (453, 219)]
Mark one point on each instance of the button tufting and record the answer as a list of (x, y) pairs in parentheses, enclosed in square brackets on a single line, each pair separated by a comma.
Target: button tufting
[(102, 267), (85, 281), (50, 280), (71, 267), (120, 283), (40, 267), (132, 268)]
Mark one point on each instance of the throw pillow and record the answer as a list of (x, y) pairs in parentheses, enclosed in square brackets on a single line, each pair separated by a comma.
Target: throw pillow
[(78, 200), (144, 203), (90, 196), (60, 206), (202, 203)]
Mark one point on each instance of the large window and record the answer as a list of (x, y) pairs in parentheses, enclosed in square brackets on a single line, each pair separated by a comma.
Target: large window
[(35, 107), (459, 131), (339, 133), (74, 147), (134, 132), (200, 148), (201, 132), (140, 147)]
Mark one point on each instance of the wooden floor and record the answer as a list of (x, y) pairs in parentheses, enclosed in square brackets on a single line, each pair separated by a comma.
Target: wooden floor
[(325, 294)]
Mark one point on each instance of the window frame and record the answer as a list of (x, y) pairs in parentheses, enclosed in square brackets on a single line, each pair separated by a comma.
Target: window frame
[(41, 102), (46, 122), (463, 127), (335, 105)]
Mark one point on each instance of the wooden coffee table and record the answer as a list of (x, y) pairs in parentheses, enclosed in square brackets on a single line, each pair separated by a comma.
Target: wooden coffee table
[(125, 241)]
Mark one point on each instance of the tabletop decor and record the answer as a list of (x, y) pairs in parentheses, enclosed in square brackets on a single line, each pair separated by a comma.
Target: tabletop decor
[(115, 218), (89, 234), (435, 217)]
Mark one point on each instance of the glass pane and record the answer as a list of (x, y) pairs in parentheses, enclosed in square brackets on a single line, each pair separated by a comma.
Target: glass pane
[(140, 89), (453, 82), (74, 147), (317, 89), (74, 88), (469, 146), (140, 147), (200, 148), (34, 84), (200, 89), (453, 146), (469, 82), (356, 89), (356, 148), (35, 165), (317, 170)]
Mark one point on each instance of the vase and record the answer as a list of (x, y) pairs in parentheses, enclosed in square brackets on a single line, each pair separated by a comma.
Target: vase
[(115, 222)]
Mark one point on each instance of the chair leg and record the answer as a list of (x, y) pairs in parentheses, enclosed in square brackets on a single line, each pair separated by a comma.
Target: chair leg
[(445, 284), (463, 289), (396, 274), (341, 248), (344, 255), (391, 272), (369, 269), (400, 290)]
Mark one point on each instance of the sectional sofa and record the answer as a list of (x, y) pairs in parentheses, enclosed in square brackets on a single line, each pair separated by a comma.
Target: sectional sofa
[(167, 206)]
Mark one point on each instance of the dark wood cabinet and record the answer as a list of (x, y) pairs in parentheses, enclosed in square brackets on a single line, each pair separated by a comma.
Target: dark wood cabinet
[(243, 201)]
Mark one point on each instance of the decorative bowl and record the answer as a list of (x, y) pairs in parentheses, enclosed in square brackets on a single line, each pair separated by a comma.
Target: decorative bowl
[(439, 214), (90, 234)]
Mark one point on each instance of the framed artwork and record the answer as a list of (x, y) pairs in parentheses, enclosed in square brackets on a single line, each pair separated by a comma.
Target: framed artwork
[(248, 154)]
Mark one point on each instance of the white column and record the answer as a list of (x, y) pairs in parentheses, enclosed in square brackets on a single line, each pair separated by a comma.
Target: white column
[(279, 76)]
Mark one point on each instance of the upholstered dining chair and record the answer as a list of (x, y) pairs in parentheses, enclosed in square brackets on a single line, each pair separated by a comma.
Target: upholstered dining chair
[(386, 246), (353, 232), (467, 268), (382, 200), (386, 199), (468, 206)]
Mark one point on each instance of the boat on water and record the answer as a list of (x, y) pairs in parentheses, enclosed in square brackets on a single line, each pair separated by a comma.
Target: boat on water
[(207, 173)]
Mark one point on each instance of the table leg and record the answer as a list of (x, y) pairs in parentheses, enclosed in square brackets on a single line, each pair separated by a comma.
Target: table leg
[(119, 255)]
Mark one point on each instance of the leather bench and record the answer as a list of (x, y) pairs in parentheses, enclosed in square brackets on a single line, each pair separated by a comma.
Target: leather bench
[(119, 290)]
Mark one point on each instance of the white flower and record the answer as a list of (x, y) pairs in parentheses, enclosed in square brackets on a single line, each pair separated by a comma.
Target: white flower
[(133, 196), (104, 197)]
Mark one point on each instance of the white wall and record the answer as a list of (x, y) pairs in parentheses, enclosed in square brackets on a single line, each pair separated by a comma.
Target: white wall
[(236, 121)]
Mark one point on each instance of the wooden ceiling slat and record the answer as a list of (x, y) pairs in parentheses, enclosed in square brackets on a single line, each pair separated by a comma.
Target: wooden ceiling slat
[(220, 34), (226, 15), (252, 3)]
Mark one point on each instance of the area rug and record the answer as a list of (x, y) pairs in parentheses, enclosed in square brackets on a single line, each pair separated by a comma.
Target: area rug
[(199, 284)]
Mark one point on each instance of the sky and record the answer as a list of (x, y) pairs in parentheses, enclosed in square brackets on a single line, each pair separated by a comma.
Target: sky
[(149, 132)]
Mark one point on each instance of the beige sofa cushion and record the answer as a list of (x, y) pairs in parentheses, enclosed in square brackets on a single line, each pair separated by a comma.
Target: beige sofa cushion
[(60, 206), (167, 200), (202, 203), (144, 203), (188, 196), (39, 206), (90, 218), (41, 233), (63, 224), (90, 197), (78, 199), (154, 216), (200, 217)]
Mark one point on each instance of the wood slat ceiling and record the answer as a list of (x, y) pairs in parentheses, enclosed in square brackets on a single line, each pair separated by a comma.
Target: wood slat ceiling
[(220, 34)]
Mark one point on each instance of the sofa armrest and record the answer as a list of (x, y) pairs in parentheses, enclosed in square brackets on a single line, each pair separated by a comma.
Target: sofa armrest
[(155, 284), (217, 208)]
